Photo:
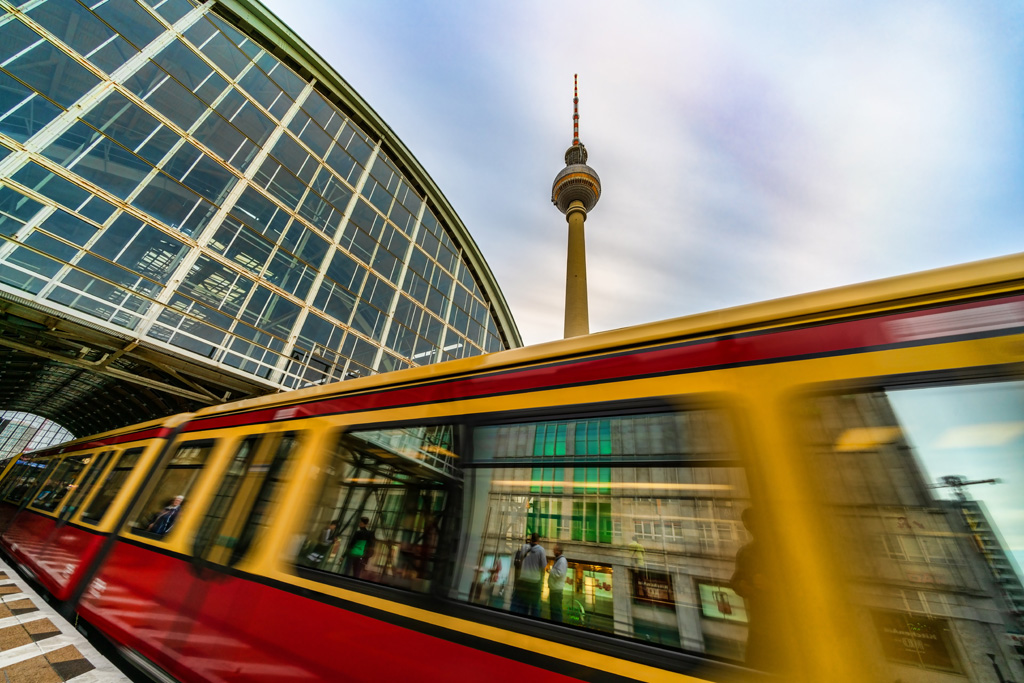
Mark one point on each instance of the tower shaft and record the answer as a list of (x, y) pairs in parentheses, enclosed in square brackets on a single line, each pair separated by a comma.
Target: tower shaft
[(577, 311)]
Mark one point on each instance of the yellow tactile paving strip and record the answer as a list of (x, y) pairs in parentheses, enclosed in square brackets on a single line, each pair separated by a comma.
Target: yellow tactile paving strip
[(38, 646)]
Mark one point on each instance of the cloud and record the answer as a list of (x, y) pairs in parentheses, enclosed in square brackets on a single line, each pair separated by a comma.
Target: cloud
[(746, 152)]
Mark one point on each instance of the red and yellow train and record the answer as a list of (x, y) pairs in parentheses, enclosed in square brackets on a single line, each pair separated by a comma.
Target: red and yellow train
[(780, 490)]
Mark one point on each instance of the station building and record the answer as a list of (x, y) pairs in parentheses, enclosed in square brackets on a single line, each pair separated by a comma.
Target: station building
[(195, 207)]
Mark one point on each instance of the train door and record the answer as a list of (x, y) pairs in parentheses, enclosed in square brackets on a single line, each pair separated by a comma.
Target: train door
[(167, 588), (135, 595), (16, 475), (69, 548), (23, 480), (28, 540)]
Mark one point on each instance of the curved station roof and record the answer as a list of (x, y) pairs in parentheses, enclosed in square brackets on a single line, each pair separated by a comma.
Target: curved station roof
[(195, 207)]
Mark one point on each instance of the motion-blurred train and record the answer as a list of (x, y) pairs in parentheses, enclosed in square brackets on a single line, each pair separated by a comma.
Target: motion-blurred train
[(794, 490)]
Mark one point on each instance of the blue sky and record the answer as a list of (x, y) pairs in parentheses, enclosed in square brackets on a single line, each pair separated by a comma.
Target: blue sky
[(746, 152)]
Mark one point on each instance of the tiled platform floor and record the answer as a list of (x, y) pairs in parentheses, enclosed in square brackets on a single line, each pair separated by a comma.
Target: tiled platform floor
[(38, 646)]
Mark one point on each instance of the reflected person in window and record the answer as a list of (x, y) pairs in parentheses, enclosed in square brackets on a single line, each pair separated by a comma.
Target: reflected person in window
[(165, 520), (360, 549), (750, 581), (556, 584), (530, 576)]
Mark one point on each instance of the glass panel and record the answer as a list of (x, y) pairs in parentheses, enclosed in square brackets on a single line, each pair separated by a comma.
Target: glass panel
[(80, 29), (170, 202), (225, 55), (166, 95), (280, 183), (140, 248), (263, 90), (921, 487), (15, 210), (241, 245), (16, 37), (191, 71), (48, 245), (52, 186), (130, 20), (59, 483), (216, 285), (122, 120), (50, 71), (22, 112), (260, 214), (382, 509), (281, 74), (290, 274), (200, 173), (246, 116), (166, 499), (170, 10), (270, 313), (226, 141), (111, 486), (105, 163), (595, 553)]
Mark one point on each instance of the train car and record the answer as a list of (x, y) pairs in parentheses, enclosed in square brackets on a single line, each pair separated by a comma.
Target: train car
[(825, 487), (62, 502)]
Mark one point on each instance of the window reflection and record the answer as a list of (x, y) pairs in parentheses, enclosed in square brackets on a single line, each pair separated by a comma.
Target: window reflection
[(645, 510), (382, 511), (923, 489)]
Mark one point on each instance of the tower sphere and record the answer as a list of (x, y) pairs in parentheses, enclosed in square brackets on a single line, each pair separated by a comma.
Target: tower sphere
[(576, 181)]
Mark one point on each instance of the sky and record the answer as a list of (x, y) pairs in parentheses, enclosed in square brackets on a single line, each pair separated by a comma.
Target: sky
[(747, 150), (976, 432)]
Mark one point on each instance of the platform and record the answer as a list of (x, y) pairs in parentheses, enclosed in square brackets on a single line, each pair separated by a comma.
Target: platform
[(37, 645)]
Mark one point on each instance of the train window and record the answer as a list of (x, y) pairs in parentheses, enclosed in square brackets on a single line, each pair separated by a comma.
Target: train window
[(225, 494), (627, 524), (269, 487), (110, 487), (24, 478), (166, 499), (59, 483), (247, 491), (88, 481), (383, 506), (922, 493)]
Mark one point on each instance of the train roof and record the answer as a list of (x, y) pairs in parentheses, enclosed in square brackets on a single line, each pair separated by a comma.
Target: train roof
[(953, 282)]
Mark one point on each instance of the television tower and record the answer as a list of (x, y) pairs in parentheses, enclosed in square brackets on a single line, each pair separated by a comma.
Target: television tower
[(575, 192)]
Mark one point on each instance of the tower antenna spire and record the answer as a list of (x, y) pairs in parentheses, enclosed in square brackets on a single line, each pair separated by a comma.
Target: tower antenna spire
[(575, 110)]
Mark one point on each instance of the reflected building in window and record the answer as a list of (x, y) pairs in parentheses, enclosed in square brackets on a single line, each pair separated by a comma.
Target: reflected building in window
[(199, 201), (914, 564), (646, 508)]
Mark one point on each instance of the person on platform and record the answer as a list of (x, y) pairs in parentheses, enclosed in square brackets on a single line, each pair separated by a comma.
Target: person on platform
[(165, 520), (556, 584)]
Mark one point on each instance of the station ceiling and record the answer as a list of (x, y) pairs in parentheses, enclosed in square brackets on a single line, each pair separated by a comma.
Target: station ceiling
[(89, 380)]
